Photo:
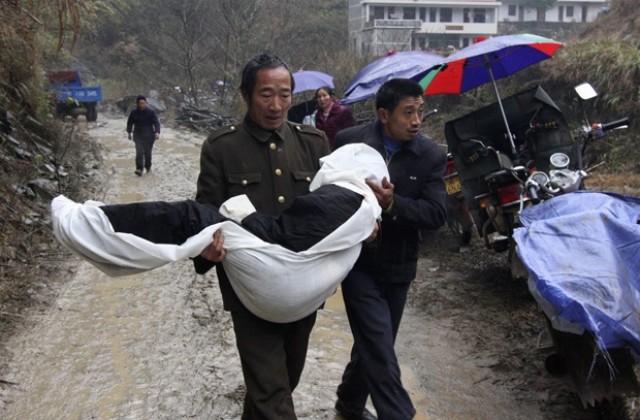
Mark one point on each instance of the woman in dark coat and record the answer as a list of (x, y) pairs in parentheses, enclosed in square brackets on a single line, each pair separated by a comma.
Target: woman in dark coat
[(331, 115)]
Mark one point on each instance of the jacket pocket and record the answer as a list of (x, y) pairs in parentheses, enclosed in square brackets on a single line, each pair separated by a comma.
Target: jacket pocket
[(303, 175), (244, 179)]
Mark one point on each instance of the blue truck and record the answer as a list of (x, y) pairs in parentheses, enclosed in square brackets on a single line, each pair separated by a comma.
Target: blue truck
[(71, 97)]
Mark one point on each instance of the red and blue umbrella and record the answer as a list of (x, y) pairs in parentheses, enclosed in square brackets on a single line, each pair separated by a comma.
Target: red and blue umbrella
[(311, 80), (484, 62), (403, 64)]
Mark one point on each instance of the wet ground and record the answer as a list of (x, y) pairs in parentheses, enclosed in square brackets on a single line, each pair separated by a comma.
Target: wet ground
[(159, 346)]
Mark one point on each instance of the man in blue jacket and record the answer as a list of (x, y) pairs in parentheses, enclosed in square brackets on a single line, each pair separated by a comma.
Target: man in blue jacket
[(375, 290), (145, 125)]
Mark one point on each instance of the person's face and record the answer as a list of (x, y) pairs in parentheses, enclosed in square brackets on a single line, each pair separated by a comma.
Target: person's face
[(142, 104), (403, 124), (324, 99), (271, 98)]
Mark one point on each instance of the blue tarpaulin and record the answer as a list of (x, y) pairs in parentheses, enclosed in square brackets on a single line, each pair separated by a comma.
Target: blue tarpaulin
[(582, 251)]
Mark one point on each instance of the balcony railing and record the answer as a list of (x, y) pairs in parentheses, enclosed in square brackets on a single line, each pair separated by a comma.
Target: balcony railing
[(393, 23)]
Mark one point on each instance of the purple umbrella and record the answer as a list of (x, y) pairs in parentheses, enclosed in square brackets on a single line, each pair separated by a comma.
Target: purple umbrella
[(404, 64), (311, 80)]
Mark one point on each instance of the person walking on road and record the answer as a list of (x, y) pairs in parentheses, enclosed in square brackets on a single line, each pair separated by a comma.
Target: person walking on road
[(272, 161), (375, 290), (144, 124)]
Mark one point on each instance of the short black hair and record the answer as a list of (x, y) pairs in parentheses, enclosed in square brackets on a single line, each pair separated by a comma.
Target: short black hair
[(257, 63), (140, 98), (393, 91)]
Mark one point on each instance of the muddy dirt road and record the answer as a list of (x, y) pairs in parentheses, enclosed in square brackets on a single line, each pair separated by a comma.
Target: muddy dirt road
[(159, 346)]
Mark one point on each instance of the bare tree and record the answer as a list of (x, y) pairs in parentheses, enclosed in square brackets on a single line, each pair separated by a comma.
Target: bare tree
[(193, 43), (178, 37)]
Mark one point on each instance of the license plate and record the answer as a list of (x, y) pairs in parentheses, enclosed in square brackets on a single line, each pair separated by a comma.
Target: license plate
[(453, 185)]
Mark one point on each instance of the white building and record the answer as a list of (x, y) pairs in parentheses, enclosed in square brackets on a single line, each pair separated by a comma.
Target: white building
[(562, 11), (377, 26)]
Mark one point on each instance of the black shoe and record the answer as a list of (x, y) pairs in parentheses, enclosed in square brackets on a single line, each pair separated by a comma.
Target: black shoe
[(351, 414), (148, 170), (138, 172)]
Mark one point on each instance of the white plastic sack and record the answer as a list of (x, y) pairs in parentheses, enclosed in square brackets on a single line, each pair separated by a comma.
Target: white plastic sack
[(274, 283)]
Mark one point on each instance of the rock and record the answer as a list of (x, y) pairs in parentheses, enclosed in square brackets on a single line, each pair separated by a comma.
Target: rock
[(44, 188), (50, 167), (127, 103), (157, 105)]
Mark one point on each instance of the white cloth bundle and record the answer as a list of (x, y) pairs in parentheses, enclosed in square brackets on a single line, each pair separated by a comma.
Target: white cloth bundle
[(274, 283)]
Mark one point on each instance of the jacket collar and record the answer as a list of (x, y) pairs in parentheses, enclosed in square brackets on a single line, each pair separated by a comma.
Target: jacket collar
[(335, 107), (261, 134), (413, 146)]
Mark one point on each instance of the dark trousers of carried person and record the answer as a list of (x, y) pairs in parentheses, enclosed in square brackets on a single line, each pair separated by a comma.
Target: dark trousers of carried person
[(375, 310), (144, 147)]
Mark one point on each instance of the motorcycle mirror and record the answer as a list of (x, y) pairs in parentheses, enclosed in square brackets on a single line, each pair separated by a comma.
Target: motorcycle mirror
[(428, 114), (585, 91)]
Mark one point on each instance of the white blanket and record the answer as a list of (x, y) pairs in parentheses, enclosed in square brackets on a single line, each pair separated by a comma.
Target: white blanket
[(274, 283)]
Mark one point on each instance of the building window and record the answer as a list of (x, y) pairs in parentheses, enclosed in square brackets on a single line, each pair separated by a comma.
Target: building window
[(512, 10), (479, 15), (432, 14), (409, 13), (446, 14), (377, 12), (466, 15), (390, 10), (423, 14), (569, 11)]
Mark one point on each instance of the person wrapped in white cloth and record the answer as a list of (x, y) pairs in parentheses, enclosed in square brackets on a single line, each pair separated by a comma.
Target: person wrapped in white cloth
[(265, 275)]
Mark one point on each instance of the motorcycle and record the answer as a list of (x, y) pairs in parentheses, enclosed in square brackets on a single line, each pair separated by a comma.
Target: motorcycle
[(498, 184)]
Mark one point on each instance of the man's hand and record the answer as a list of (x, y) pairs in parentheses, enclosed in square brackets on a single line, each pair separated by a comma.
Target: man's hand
[(157, 136), (129, 136), (215, 252), (384, 193), (374, 234)]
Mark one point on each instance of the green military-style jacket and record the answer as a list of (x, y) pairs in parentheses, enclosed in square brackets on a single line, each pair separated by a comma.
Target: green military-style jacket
[(271, 168)]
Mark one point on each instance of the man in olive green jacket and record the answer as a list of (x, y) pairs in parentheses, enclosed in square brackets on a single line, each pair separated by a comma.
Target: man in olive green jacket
[(271, 161)]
